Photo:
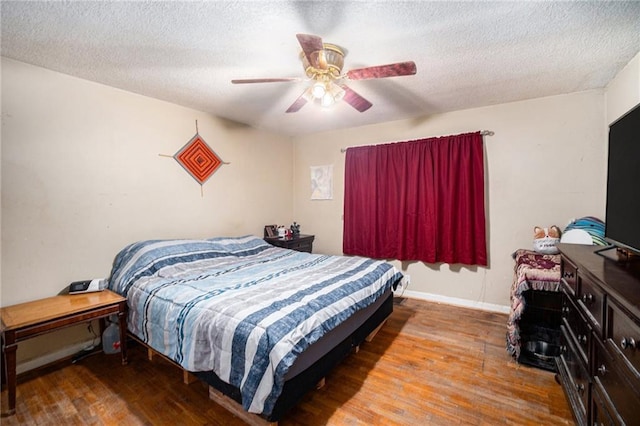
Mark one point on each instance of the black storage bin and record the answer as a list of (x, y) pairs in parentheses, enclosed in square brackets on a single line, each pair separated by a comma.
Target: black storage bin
[(540, 329)]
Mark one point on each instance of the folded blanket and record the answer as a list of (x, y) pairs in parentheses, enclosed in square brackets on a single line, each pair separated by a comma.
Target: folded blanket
[(533, 271)]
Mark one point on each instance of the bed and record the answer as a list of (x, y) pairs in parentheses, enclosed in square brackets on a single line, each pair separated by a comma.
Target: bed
[(259, 323)]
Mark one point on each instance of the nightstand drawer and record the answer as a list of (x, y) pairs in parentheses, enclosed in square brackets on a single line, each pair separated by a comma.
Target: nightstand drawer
[(301, 246), (299, 243)]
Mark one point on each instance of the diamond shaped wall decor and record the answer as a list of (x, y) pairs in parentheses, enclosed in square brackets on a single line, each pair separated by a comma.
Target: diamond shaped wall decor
[(198, 159)]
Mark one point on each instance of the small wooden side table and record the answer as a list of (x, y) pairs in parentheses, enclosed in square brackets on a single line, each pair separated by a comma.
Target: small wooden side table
[(26, 320), (300, 242)]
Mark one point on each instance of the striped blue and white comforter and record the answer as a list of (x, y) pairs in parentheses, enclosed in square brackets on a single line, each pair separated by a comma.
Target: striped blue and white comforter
[(239, 306)]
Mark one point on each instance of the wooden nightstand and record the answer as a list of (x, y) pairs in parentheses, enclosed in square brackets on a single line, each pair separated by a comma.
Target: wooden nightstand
[(26, 320), (300, 242)]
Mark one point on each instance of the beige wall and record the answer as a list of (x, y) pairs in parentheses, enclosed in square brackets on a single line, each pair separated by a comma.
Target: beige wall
[(623, 92), (82, 177), (545, 165)]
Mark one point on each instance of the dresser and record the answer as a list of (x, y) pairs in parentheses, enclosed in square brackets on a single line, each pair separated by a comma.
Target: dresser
[(299, 242), (599, 362)]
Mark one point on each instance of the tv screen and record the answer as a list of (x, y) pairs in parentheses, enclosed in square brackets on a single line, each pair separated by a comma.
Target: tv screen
[(623, 182)]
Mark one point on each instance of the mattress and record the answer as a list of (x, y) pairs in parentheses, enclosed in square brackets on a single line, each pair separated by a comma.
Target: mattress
[(244, 309)]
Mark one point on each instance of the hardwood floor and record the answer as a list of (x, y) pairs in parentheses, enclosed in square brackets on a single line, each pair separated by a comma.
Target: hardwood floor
[(431, 364)]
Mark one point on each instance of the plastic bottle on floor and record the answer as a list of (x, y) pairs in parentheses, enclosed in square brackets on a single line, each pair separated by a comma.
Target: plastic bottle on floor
[(111, 339)]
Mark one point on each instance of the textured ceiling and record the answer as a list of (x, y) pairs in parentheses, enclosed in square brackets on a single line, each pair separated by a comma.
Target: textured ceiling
[(468, 54)]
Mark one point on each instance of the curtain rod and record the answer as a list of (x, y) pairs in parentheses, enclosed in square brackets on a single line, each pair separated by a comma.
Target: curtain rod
[(482, 133)]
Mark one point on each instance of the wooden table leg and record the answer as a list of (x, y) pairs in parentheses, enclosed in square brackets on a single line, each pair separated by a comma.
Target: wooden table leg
[(9, 348), (102, 325), (122, 322)]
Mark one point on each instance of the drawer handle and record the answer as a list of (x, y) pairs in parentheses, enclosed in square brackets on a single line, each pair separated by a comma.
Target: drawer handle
[(563, 349), (580, 388), (602, 370), (587, 298), (566, 310), (582, 338), (628, 343), (567, 275)]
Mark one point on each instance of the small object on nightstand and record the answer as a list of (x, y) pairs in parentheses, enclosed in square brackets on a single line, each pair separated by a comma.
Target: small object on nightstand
[(270, 231), (87, 286), (295, 229)]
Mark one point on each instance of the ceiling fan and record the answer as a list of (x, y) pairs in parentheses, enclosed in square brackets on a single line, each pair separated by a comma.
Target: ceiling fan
[(322, 63)]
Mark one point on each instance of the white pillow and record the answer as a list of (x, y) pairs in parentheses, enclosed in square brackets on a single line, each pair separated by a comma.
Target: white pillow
[(577, 236)]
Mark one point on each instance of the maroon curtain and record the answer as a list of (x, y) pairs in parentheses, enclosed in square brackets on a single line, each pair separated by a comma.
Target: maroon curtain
[(418, 200)]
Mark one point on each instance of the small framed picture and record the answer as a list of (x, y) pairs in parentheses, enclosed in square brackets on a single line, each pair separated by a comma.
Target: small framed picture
[(271, 231)]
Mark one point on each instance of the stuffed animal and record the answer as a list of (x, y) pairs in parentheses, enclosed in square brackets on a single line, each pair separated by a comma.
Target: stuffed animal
[(545, 239)]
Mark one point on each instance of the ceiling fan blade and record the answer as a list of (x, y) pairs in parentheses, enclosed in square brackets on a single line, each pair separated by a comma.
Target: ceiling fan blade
[(382, 71), (355, 100), (299, 103), (263, 80), (313, 49)]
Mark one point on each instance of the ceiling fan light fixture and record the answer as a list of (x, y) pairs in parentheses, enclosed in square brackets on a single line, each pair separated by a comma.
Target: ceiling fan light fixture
[(337, 92), (327, 100), (318, 90), (322, 64), (334, 94)]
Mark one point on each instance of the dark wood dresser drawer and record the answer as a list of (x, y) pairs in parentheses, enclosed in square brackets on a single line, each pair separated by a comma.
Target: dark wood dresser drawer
[(577, 328), (592, 298), (601, 412), (602, 292), (575, 375), (569, 276), (623, 333), (614, 379)]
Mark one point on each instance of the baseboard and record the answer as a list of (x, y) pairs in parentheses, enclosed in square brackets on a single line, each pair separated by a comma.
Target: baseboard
[(465, 303), (52, 357)]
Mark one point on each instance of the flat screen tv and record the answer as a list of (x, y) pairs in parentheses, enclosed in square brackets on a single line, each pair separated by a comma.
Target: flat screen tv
[(622, 224)]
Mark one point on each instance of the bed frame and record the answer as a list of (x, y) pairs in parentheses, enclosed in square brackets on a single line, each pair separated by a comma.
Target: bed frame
[(309, 370)]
